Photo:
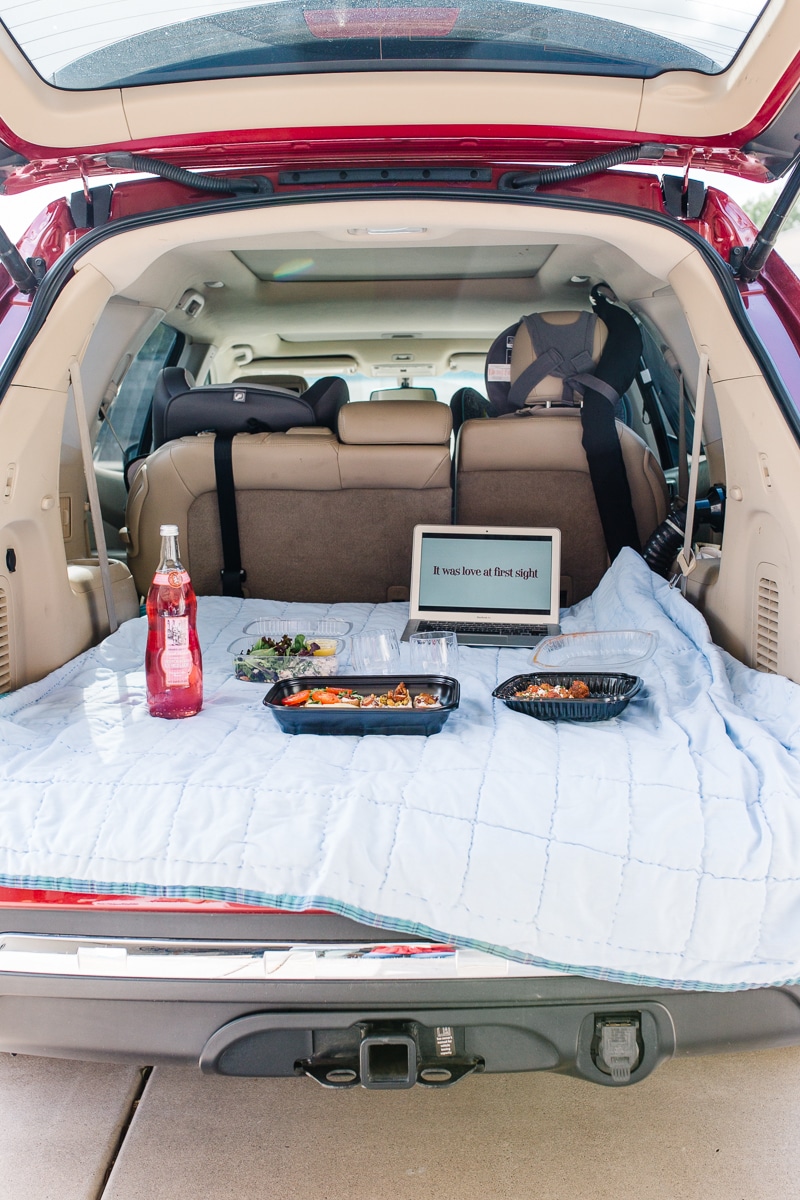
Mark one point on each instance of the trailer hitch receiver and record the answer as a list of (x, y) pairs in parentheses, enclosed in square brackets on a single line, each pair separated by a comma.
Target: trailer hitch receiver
[(391, 1055)]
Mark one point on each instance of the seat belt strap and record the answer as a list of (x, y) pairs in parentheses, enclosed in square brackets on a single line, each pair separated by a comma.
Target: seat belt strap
[(612, 493), (617, 366), (683, 465), (232, 574), (79, 400), (686, 559), (597, 385)]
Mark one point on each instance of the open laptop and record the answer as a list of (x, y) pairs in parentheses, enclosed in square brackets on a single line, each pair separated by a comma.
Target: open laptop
[(496, 586)]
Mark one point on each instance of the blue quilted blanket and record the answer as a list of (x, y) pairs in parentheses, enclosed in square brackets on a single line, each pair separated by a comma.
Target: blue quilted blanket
[(662, 846)]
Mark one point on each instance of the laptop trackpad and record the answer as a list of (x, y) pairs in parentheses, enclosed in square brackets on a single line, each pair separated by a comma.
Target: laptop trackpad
[(479, 639)]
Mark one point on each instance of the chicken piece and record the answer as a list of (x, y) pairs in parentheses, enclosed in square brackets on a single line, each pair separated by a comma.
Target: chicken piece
[(579, 690)]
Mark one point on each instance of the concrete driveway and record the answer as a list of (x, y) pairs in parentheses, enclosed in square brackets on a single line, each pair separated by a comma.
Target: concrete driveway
[(722, 1128)]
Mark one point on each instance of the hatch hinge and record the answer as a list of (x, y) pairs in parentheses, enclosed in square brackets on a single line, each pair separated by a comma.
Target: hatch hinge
[(28, 273), (684, 198), (10, 160), (91, 208), (748, 261)]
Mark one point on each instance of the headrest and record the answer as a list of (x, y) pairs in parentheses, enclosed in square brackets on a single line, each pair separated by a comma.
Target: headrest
[(231, 409), (563, 328), (590, 354), (404, 393), (169, 382), (403, 423), (292, 383), (326, 397)]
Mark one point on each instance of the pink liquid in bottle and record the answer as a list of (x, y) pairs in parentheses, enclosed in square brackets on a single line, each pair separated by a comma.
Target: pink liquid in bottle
[(173, 663)]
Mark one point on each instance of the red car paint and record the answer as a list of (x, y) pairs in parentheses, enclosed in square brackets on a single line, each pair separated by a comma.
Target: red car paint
[(250, 149)]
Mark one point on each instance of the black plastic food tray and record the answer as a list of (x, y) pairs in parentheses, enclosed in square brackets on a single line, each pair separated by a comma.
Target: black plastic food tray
[(610, 694), (361, 721)]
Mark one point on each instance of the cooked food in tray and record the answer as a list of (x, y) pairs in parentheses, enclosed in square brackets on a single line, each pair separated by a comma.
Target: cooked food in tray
[(336, 697), (559, 696), (578, 690)]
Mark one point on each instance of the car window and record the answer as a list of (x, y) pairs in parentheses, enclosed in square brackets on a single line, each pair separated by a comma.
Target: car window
[(124, 43), (128, 412), (664, 394), (361, 386)]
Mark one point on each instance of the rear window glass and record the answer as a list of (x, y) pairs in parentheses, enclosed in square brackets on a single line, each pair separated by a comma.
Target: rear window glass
[(129, 410), (128, 42)]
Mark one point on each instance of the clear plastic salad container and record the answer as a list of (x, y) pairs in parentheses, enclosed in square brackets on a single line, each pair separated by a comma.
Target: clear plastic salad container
[(274, 650)]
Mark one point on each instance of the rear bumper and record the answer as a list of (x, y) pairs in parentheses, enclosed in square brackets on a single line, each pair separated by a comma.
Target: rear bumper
[(272, 1003)]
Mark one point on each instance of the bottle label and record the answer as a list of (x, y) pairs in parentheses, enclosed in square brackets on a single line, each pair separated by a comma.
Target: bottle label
[(174, 579), (176, 657)]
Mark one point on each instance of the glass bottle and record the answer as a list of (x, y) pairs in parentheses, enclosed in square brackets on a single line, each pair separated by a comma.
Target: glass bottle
[(173, 664)]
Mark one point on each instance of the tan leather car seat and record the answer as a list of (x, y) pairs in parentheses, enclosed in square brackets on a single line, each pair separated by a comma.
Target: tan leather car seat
[(321, 519)]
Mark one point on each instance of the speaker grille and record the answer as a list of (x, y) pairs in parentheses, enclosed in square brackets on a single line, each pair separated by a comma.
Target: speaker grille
[(5, 644), (767, 626)]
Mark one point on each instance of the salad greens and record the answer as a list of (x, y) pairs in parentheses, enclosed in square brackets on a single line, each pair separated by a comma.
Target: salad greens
[(268, 660), (285, 647)]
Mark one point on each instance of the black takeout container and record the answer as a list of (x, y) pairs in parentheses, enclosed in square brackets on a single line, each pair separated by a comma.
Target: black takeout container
[(360, 721), (610, 694)]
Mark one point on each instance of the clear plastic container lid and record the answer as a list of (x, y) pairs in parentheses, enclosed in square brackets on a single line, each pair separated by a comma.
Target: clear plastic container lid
[(607, 650), (274, 627)]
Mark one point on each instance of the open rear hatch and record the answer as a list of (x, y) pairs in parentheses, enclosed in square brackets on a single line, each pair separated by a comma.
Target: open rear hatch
[(228, 86)]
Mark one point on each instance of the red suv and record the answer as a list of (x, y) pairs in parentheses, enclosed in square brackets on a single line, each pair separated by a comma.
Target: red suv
[(361, 246)]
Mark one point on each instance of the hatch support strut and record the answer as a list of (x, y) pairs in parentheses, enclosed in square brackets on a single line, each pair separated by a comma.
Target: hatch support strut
[(239, 185), (26, 275), (513, 181), (748, 261)]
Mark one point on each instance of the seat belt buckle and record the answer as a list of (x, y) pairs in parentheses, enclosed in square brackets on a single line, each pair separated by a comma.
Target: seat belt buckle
[(232, 579)]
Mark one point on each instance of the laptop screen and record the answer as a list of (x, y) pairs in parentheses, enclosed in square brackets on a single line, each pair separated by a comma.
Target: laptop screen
[(497, 573)]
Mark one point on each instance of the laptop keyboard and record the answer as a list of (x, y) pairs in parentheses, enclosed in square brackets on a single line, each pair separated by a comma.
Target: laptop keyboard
[(469, 627)]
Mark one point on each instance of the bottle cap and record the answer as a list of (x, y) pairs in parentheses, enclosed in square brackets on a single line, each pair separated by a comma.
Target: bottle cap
[(169, 530)]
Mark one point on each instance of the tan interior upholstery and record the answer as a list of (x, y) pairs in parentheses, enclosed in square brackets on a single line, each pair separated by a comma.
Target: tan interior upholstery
[(403, 393), (550, 388), (412, 422), (532, 470), (320, 520)]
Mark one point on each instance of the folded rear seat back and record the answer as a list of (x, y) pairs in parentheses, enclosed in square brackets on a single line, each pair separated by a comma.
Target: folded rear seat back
[(535, 472), (321, 519)]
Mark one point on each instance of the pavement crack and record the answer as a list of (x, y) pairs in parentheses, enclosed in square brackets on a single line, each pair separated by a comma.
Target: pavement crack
[(144, 1076)]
